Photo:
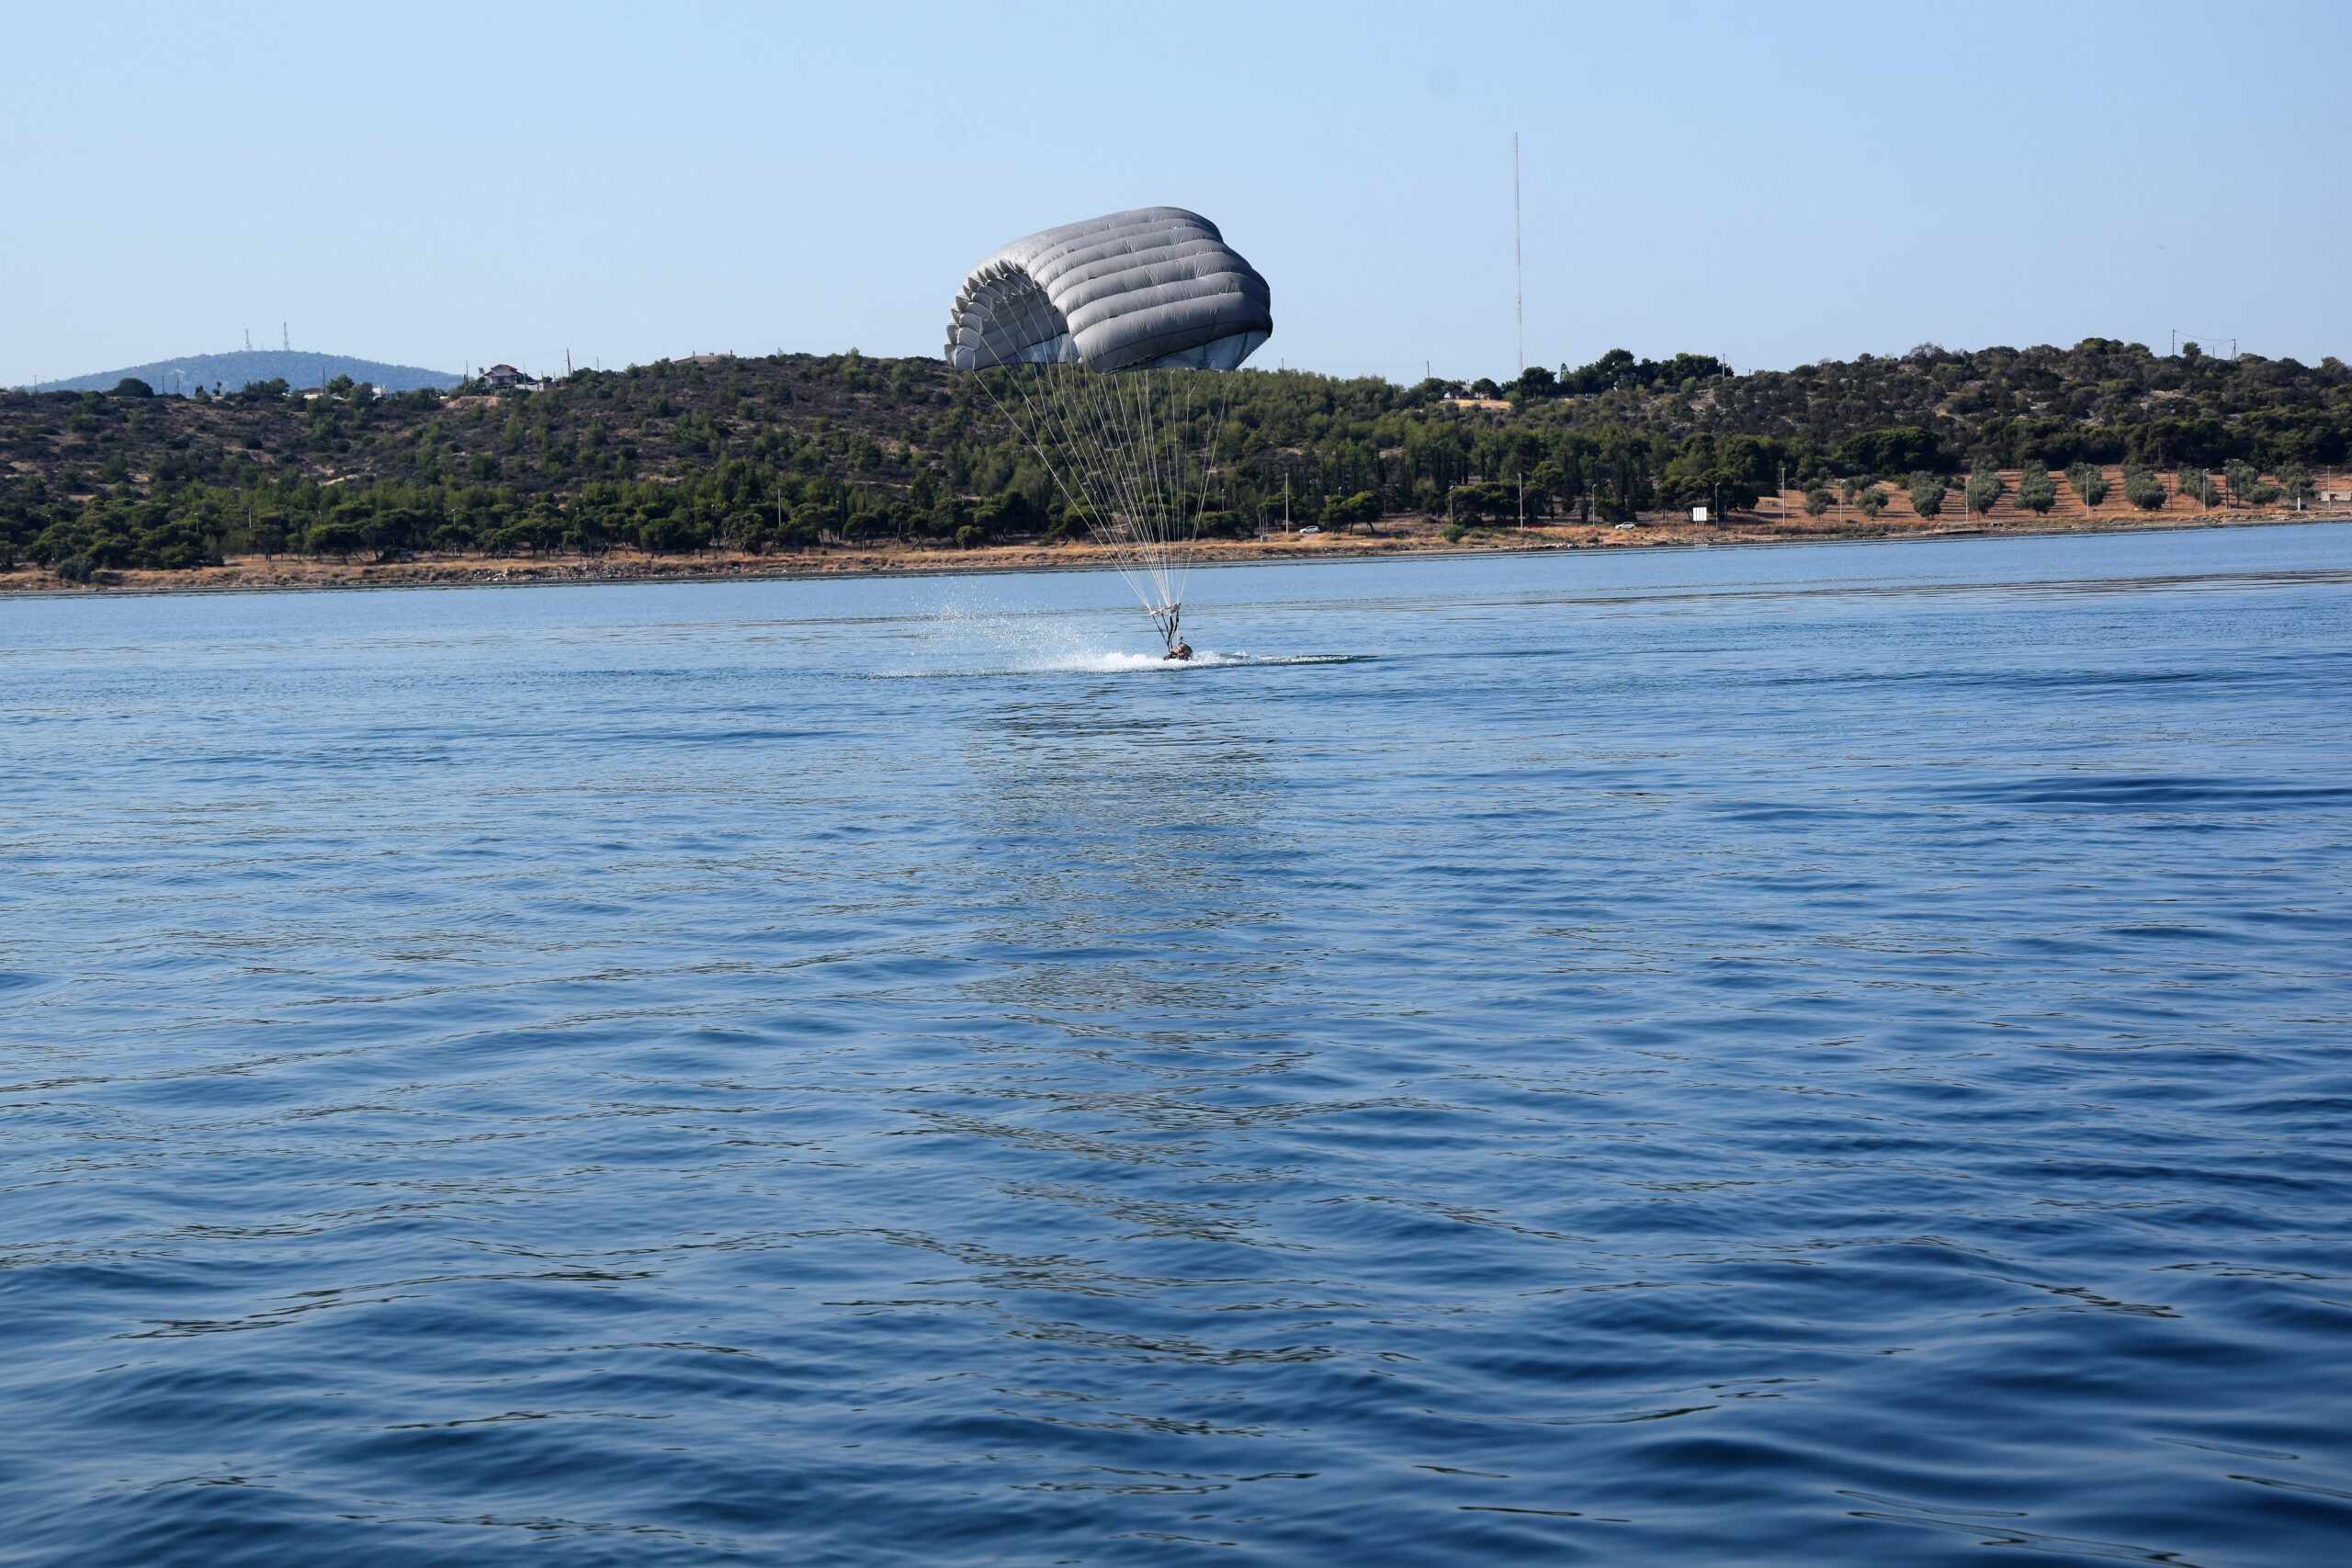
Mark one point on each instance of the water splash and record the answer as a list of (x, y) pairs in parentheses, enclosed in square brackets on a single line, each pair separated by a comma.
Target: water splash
[(977, 638)]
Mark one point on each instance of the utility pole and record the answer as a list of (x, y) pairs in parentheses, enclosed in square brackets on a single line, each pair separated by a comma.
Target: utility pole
[(285, 337), (1518, 273), (1522, 501)]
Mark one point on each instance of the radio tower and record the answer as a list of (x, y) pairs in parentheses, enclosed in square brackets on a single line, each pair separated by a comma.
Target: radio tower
[(1518, 273)]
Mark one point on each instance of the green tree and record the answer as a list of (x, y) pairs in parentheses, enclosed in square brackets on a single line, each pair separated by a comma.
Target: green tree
[(2089, 482), (671, 534), (2037, 492), (2143, 489), (2246, 486), (1984, 489), (1818, 500), (1870, 500), (1898, 446), (2295, 483), (333, 538), (1927, 492), (133, 387), (1551, 482)]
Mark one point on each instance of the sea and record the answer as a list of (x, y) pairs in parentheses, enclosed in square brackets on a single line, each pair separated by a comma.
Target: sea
[(1817, 1055)]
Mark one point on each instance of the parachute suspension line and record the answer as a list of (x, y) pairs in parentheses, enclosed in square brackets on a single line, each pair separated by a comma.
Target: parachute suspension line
[(1135, 440), (1132, 452), (1095, 403), (1104, 490), (1119, 429), (1031, 432), (1215, 429)]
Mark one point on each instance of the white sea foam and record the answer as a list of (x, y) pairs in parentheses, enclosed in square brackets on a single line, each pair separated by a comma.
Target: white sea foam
[(975, 640)]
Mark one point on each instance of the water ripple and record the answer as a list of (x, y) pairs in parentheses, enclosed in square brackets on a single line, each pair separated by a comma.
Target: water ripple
[(1823, 1056)]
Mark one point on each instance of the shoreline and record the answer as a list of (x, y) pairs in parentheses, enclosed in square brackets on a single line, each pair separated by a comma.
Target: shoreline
[(252, 575)]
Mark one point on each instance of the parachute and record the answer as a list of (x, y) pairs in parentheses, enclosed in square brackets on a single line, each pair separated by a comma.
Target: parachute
[(1087, 336)]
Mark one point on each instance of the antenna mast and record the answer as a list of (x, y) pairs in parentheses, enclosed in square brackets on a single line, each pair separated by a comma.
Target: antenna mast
[(1518, 273)]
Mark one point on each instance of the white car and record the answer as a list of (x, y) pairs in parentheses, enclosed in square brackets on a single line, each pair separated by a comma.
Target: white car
[(1310, 528), (1628, 524)]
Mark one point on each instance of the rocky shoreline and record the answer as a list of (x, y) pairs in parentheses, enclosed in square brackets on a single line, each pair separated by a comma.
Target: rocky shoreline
[(257, 574)]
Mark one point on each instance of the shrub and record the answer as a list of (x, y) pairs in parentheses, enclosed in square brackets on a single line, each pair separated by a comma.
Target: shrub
[(2090, 481), (2295, 483), (133, 387), (1818, 501), (967, 536), (1927, 493), (2143, 489), (1452, 533), (2037, 492)]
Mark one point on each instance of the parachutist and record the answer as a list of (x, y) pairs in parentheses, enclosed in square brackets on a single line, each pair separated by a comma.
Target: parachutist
[(1087, 338)]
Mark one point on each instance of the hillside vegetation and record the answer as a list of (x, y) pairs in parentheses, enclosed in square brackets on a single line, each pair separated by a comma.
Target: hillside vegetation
[(795, 452), (298, 367)]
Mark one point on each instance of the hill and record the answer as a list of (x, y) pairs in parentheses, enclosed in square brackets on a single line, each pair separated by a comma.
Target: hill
[(802, 452), (228, 372)]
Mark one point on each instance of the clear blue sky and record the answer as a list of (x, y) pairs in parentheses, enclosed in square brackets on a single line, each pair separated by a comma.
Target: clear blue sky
[(440, 185)]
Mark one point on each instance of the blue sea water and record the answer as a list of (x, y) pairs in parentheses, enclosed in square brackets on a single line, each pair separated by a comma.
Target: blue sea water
[(1822, 1056)]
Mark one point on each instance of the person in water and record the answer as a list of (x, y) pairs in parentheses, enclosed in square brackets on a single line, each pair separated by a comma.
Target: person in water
[(1180, 649)]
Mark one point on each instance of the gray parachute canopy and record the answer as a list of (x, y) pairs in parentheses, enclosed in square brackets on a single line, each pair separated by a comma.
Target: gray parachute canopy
[(1155, 287)]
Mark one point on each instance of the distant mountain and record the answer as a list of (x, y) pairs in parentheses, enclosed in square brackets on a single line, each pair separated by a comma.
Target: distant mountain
[(232, 371)]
